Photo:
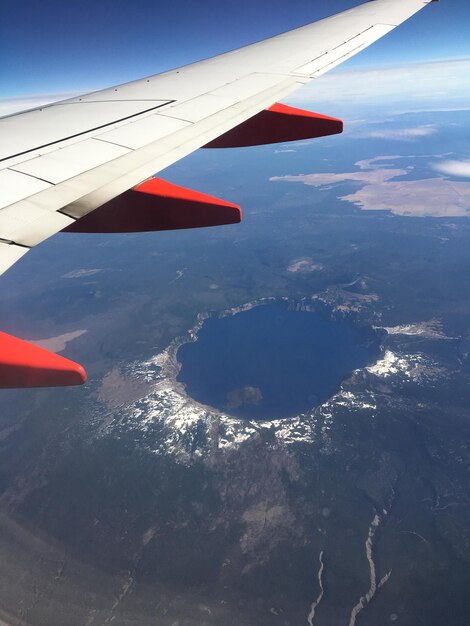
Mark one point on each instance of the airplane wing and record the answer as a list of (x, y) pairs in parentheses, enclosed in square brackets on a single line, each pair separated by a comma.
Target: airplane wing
[(86, 164)]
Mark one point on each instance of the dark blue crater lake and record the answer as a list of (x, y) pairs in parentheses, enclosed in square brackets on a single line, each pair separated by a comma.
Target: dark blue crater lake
[(272, 362)]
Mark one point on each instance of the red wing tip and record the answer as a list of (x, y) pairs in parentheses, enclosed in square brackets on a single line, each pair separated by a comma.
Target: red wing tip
[(78, 375), (288, 110), (24, 365), (233, 215), (31, 377), (278, 124), (159, 187), (72, 375)]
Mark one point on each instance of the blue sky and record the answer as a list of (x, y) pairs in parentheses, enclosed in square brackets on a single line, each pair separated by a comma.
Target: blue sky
[(58, 47)]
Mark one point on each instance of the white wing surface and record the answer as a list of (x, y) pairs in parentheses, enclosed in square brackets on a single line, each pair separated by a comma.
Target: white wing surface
[(62, 161)]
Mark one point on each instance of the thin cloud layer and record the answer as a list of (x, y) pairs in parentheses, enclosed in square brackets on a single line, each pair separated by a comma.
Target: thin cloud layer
[(429, 86), (454, 168), (399, 134)]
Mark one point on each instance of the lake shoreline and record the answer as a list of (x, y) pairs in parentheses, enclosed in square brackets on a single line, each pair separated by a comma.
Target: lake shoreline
[(370, 340)]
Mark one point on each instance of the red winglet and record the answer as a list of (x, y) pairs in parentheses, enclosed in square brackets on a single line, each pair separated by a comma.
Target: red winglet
[(23, 364), (279, 123), (157, 205)]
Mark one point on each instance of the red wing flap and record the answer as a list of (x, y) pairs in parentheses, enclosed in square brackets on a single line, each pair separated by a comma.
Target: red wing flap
[(157, 205), (23, 364), (279, 123)]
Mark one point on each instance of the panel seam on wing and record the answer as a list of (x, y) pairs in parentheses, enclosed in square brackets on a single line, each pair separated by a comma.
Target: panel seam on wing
[(113, 143), (12, 169)]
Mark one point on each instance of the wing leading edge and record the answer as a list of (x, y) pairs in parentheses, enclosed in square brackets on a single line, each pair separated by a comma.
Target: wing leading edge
[(60, 163)]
